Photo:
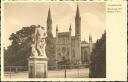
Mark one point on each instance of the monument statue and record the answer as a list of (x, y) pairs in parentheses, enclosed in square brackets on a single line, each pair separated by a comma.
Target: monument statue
[(38, 46), (38, 60)]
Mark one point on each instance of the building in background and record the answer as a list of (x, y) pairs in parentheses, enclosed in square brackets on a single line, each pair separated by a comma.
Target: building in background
[(70, 49)]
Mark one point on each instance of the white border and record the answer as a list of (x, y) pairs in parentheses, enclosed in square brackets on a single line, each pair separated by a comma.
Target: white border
[(121, 60)]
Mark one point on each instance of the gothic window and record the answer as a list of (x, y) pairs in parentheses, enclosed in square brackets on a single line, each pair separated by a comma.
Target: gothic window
[(58, 49), (73, 53), (61, 40), (77, 38), (85, 56), (64, 40), (59, 54), (63, 50), (67, 52)]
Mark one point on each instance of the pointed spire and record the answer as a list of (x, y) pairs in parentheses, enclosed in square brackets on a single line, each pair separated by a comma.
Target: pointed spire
[(56, 28), (49, 15), (77, 12), (90, 38), (70, 28)]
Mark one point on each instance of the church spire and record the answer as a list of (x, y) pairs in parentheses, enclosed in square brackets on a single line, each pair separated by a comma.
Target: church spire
[(49, 23), (49, 18), (77, 22), (70, 28), (77, 12), (56, 28), (90, 38)]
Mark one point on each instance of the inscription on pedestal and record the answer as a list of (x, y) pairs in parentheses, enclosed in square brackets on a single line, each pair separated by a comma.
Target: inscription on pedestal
[(41, 68)]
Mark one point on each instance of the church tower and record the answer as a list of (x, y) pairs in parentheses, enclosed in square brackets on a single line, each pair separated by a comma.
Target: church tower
[(78, 36), (77, 23), (49, 24)]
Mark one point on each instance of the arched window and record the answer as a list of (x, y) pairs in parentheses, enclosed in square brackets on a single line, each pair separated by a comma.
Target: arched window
[(63, 50)]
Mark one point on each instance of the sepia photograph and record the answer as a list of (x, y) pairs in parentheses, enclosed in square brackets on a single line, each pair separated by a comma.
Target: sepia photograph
[(54, 40)]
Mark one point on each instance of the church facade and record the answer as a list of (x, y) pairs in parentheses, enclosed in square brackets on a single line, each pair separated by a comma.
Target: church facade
[(70, 49)]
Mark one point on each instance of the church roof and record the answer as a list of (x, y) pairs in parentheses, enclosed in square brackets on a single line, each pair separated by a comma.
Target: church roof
[(63, 33)]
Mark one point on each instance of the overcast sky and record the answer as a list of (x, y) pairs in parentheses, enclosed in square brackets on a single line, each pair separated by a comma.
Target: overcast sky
[(18, 15)]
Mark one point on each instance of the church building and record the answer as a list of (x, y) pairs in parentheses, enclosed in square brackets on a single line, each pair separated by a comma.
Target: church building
[(70, 49)]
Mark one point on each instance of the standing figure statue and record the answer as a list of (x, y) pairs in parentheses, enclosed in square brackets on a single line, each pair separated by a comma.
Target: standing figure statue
[(38, 60), (38, 49)]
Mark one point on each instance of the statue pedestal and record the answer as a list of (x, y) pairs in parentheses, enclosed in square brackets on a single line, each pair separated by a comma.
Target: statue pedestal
[(37, 67)]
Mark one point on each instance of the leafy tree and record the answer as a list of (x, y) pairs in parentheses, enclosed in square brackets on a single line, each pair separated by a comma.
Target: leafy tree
[(19, 50), (98, 59)]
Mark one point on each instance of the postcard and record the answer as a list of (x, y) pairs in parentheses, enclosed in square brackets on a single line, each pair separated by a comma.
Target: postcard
[(64, 40)]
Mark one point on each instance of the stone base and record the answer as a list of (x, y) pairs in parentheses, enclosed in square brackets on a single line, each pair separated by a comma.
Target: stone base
[(37, 67)]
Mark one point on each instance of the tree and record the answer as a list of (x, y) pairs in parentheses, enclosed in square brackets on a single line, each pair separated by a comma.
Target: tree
[(98, 59), (19, 50)]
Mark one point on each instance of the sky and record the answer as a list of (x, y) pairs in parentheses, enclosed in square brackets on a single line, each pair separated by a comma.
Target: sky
[(18, 15)]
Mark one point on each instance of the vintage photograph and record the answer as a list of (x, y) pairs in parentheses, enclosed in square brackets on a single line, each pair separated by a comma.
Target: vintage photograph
[(54, 40)]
